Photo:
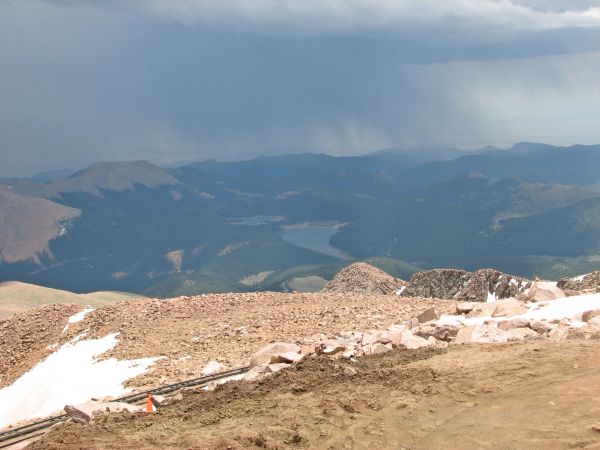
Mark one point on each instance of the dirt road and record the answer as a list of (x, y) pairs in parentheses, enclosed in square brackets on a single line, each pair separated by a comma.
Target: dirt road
[(539, 394)]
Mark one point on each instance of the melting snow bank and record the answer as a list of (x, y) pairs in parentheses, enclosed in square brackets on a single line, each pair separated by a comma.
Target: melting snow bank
[(71, 375), (568, 308)]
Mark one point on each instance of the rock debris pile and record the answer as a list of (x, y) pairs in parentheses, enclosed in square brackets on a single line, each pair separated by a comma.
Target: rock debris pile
[(364, 279), (588, 283)]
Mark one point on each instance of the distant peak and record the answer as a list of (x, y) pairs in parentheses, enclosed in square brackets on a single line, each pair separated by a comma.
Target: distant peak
[(115, 176)]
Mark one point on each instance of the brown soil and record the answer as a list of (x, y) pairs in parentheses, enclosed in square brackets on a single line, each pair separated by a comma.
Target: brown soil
[(540, 394)]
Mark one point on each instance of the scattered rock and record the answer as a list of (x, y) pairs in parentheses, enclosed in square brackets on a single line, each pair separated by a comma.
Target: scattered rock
[(412, 342), (375, 349), (433, 342), (255, 373), (212, 368), (442, 333), (482, 310), (508, 307), (589, 315), (77, 415), (265, 354), (428, 315), (333, 347), (513, 323), (349, 371), (520, 334), (482, 334), (272, 368), (541, 327), (594, 322), (158, 400), (465, 307), (288, 358)]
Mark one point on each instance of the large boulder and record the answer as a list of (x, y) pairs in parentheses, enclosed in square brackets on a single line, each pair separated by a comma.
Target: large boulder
[(590, 282), (212, 368), (541, 291), (483, 334), (361, 278), (508, 308)]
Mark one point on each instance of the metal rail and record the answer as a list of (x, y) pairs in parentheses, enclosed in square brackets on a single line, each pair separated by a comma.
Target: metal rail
[(46, 423)]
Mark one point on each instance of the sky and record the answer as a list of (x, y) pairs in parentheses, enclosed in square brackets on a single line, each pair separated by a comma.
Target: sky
[(173, 81)]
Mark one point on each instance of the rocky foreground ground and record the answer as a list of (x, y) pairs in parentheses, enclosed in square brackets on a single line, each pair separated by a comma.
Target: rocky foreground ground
[(540, 394), (188, 332), (515, 369)]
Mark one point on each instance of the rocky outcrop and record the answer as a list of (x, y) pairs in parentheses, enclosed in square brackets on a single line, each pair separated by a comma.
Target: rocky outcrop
[(437, 283), (588, 283), (364, 279), (480, 286)]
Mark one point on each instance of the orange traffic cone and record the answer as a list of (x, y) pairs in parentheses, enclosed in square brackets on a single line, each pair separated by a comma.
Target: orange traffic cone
[(149, 404)]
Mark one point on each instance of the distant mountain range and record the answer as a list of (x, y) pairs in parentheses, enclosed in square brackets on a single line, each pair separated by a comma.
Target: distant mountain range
[(291, 221)]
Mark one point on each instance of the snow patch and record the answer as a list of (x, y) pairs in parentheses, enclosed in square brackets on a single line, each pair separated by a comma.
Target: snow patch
[(71, 375), (77, 318), (401, 290), (491, 298), (80, 315)]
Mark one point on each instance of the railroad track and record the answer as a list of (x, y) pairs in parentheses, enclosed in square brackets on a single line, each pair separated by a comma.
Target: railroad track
[(26, 432)]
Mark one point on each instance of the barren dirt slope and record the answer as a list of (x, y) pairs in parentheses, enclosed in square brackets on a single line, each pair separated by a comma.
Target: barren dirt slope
[(28, 224), (535, 395), (16, 297)]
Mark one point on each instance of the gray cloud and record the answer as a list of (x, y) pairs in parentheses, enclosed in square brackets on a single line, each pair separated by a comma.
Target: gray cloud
[(317, 16), (81, 83)]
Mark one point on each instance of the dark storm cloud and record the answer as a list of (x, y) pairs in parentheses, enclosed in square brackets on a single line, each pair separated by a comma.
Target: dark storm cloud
[(189, 79)]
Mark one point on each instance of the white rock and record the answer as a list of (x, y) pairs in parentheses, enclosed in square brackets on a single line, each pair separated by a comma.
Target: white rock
[(544, 290), (520, 334), (594, 322), (482, 310), (255, 373), (287, 357), (412, 342), (264, 355), (508, 307), (482, 334), (465, 307), (435, 343), (272, 368), (428, 315), (212, 368)]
